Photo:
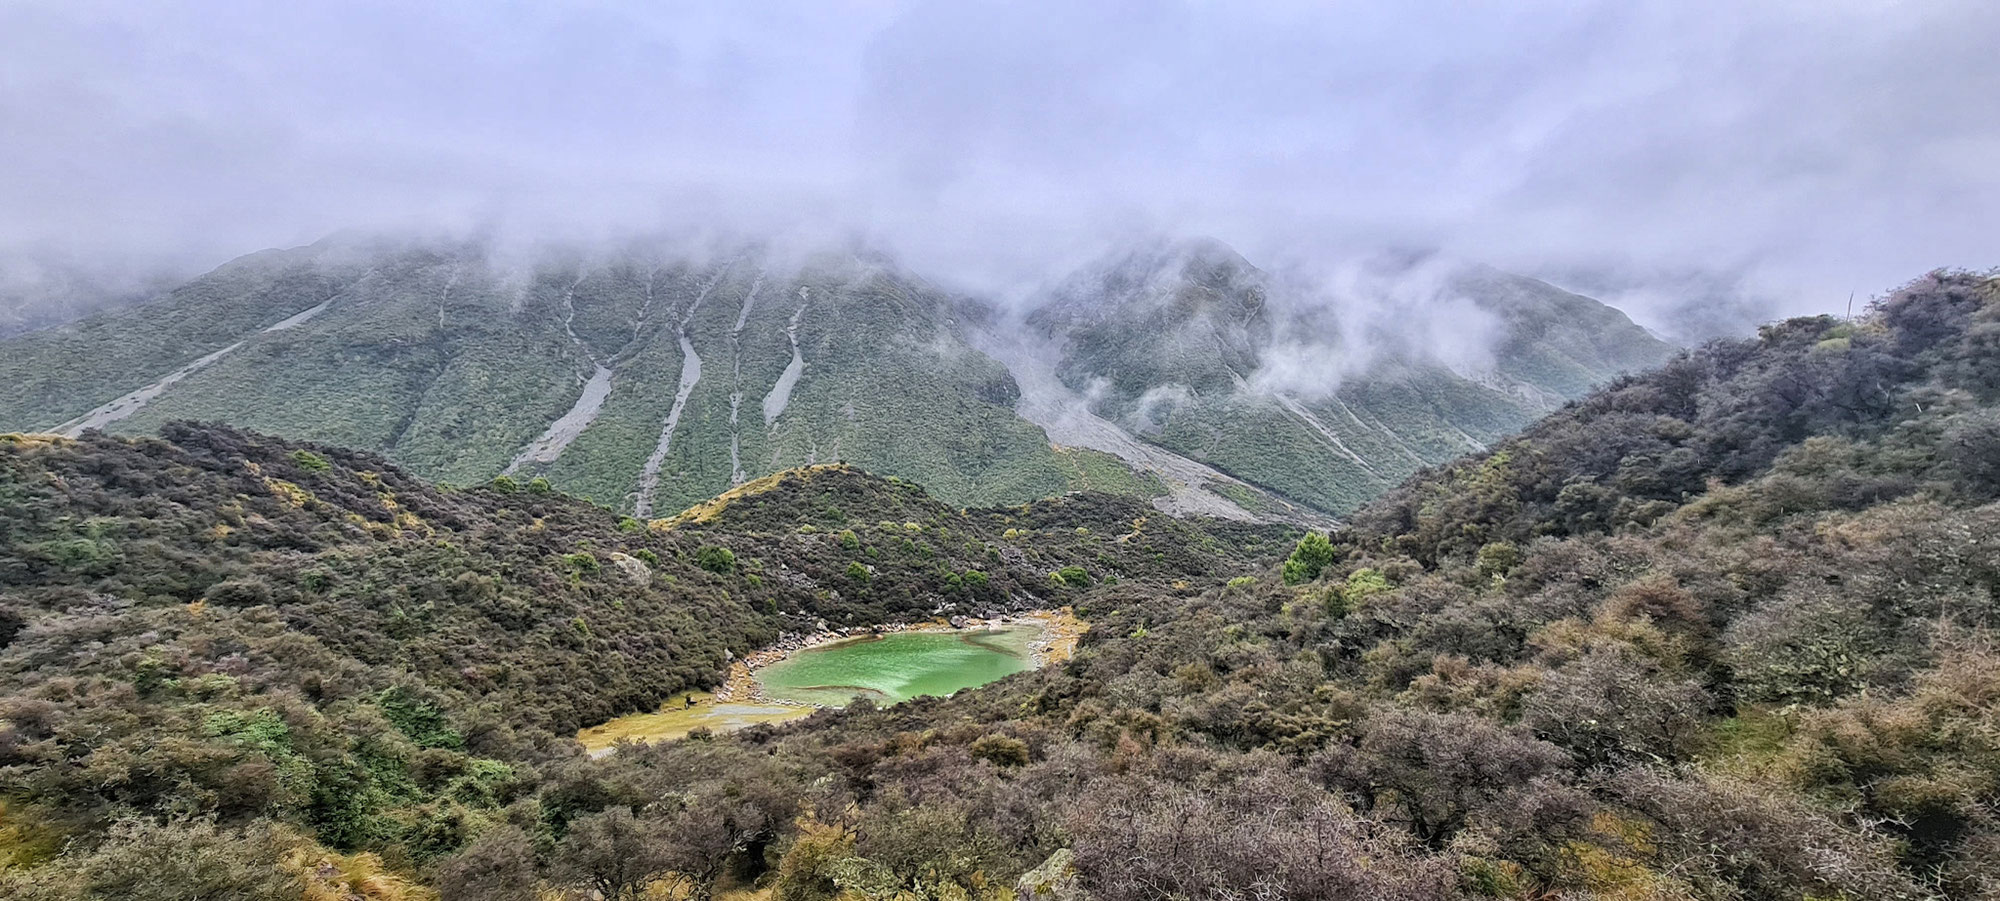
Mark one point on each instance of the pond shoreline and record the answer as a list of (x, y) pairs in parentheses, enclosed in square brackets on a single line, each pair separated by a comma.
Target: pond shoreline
[(740, 701), (1060, 630)]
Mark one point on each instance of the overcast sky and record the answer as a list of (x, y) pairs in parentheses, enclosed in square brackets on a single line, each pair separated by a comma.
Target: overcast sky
[(1795, 150)]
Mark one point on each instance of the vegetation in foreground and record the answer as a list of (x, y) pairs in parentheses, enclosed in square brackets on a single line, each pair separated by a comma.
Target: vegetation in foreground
[(223, 630), (1720, 631)]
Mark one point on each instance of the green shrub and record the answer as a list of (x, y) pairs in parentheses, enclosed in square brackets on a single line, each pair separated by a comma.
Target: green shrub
[(1498, 558), (505, 484), (310, 461), (1362, 583), (582, 562), (715, 559), (857, 572), (1070, 577), (419, 719), (1001, 750), (1312, 556)]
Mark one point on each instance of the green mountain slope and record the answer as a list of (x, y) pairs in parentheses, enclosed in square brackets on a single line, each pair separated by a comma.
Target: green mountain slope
[(646, 382), (1191, 347), (48, 377)]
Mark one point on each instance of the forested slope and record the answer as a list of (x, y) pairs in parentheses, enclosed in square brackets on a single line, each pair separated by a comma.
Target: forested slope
[(1300, 388)]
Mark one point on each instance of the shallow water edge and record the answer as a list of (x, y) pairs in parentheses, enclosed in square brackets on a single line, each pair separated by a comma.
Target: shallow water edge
[(743, 699)]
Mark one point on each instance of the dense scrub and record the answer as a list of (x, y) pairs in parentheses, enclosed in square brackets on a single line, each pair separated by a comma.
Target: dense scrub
[(1720, 631), (219, 627)]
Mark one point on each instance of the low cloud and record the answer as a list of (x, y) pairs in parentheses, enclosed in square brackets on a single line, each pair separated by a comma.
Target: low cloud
[(1341, 318), (1704, 162)]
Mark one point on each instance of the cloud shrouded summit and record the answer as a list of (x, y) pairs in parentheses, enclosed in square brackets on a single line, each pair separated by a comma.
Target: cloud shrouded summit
[(1795, 151)]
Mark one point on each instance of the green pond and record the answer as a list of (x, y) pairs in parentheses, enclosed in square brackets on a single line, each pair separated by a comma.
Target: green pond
[(899, 666)]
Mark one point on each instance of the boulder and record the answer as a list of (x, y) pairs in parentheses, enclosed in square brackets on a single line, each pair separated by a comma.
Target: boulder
[(1054, 880), (633, 569)]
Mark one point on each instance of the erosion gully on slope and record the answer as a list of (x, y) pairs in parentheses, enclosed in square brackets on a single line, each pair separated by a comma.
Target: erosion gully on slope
[(133, 402), (781, 393), (1068, 420), (649, 477), (736, 379)]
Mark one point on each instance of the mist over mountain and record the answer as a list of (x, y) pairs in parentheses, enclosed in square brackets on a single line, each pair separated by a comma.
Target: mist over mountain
[(1805, 151), (647, 375)]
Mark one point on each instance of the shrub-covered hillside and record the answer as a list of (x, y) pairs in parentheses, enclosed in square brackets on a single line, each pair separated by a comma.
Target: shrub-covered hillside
[(1721, 631), (218, 630), (1717, 632)]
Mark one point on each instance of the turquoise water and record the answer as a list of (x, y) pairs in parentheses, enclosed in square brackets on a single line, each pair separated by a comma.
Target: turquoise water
[(899, 666)]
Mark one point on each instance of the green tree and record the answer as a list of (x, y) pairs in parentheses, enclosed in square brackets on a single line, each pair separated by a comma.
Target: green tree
[(1498, 558), (310, 461), (1313, 555)]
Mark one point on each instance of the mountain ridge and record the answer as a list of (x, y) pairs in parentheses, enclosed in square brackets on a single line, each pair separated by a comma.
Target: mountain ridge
[(649, 380)]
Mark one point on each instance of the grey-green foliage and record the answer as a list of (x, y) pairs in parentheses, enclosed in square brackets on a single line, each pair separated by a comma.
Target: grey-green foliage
[(445, 365), (452, 365), (50, 376), (1170, 342)]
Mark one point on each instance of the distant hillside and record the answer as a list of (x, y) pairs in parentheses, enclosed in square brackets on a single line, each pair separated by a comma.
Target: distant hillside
[(1197, 351), (647, 381)]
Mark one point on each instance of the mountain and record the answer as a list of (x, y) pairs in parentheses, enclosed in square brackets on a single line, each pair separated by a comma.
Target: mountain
[(1191, 347), (646, 380), (1719, 630)]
